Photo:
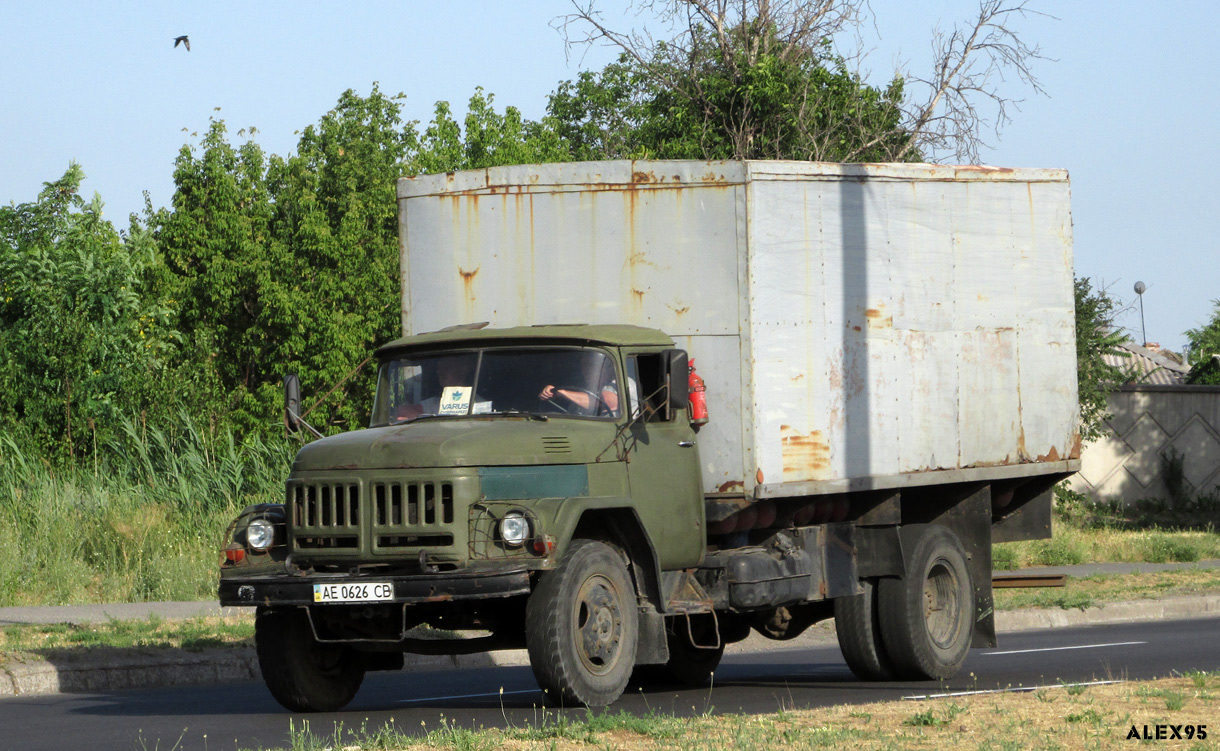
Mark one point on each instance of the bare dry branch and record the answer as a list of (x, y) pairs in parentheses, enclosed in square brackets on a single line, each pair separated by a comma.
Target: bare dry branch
[(968, 66)]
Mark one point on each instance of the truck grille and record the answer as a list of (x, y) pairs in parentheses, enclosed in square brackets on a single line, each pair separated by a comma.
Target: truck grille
[(414, 514), (392, 515), (326, 515)]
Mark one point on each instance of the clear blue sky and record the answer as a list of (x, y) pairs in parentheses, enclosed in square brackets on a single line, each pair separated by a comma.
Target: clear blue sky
[(1131, 111)]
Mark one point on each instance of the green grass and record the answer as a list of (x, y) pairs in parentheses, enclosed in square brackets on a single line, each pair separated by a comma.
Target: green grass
[(143, 524), (1053, 719), (1149, 532), (191, 634), (1085, 592)]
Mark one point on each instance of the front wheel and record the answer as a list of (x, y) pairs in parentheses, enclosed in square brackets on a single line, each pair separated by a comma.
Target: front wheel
[(582, 626), (927, 617), (303, 674)]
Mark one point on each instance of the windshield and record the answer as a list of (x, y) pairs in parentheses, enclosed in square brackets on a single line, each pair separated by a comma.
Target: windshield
[(540, 381)]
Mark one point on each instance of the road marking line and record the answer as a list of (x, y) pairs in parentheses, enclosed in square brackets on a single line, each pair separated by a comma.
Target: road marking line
[(1060, 649), (471, 696), (1016, 690)]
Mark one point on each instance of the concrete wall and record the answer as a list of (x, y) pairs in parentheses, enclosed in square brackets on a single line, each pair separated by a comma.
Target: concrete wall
[(1126, 465)]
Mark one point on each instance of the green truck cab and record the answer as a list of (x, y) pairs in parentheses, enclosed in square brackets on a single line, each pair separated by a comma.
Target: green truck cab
[(469, 488)]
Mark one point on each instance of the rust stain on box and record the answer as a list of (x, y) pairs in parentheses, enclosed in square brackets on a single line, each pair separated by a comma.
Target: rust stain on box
[(1050, 456), (806, 456), (468, 281), (877, 318)]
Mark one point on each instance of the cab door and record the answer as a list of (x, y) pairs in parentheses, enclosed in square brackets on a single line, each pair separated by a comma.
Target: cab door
[(663, 463)]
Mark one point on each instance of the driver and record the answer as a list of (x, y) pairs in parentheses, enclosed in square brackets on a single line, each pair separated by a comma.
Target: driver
[(598, 395)]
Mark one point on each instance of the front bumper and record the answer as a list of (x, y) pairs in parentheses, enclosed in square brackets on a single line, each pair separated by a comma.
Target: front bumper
[(468, 584)]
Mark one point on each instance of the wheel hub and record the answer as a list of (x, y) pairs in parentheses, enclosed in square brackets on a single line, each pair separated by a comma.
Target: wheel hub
[(942, 605), (599, 624)]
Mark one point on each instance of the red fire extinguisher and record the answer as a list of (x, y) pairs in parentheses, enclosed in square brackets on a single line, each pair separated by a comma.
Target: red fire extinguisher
[(698, 397)]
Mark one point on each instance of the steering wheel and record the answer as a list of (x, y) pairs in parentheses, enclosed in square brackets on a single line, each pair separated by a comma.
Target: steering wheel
[(593, 405)]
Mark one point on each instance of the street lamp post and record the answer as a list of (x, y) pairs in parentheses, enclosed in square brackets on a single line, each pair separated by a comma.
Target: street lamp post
[(1139, 290)]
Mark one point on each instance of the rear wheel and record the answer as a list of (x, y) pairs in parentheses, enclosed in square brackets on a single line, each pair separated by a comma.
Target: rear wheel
[(858, 627), (303, 674), (927, 617), (582, 627)]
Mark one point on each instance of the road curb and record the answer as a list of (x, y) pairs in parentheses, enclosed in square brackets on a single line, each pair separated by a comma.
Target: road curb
[(116, 670), (120, 669)]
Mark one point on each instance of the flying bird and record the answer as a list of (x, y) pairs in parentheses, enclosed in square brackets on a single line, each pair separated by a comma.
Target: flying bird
[(182, 40)]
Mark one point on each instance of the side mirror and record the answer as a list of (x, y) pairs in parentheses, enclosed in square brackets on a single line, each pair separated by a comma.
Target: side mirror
[(677, 376), (292, 402)]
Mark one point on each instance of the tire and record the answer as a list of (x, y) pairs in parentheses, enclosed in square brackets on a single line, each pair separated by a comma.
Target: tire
[(303, 675), (927, 618), (582, 627), (858, 627), (690, 665)]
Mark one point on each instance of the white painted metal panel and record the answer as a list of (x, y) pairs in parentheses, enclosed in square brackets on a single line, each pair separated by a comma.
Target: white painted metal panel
[(850, 321), (628, 248), (894, 329), (646, 243)]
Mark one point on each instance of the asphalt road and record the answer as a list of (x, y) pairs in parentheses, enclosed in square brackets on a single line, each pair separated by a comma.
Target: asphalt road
[(245, 716)]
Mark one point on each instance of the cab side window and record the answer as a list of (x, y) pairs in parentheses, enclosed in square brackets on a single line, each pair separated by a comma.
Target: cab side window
[(646, 384)]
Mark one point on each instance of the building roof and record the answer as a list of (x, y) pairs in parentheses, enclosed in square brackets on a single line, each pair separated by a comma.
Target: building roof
[(1148, 366)]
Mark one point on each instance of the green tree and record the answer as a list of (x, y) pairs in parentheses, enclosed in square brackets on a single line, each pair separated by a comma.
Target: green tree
[(1096, 337), (1204, 349), (214, 242), (290, 264), (750, 99), (761, 79), (78, 334), (490, 139), (332, 294)]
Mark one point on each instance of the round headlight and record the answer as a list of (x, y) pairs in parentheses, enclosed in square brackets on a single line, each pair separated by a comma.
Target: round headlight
[(514, 529), (260, 533)]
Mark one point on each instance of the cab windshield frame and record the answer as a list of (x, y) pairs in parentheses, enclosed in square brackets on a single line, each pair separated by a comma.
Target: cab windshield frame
[(497, 380)]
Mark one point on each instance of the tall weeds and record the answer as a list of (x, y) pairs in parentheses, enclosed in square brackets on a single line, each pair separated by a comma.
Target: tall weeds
[(143, 522)]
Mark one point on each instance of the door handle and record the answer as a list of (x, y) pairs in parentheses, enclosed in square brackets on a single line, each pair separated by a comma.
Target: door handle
[(686, 444)]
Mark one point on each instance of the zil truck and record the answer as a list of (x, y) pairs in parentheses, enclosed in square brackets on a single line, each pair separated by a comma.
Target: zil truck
[(642, 409)]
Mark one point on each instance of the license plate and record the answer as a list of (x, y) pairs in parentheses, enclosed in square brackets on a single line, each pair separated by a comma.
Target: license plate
[(363, 592)]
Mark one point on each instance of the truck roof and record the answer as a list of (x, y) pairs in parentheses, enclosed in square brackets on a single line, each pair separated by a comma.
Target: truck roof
[(614, 335)]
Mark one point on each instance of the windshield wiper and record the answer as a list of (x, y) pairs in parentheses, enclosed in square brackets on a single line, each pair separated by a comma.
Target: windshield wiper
[(517, 412), (409, 420)]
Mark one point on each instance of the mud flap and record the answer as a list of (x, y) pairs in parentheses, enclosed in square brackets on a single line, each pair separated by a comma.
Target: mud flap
[(652, 647)]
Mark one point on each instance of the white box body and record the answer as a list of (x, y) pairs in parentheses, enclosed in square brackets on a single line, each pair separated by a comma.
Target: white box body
[(858, 326)]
